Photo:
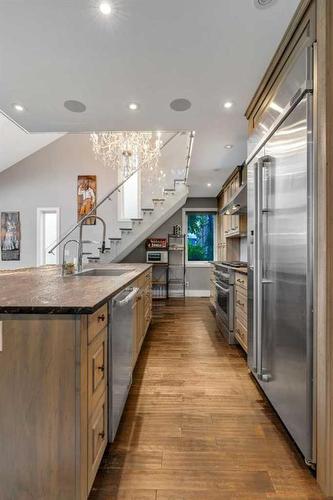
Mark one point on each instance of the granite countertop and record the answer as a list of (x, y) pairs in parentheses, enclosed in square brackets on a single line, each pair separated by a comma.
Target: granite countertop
[(45, 290)]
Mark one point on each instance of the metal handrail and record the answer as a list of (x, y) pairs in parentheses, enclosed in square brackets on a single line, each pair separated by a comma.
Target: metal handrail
[(108, 196)]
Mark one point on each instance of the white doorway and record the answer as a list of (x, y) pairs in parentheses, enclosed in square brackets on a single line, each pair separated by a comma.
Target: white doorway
[(48, 231)]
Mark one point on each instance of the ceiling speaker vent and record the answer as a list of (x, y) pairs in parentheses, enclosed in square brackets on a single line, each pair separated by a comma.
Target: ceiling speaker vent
[(263, 4)]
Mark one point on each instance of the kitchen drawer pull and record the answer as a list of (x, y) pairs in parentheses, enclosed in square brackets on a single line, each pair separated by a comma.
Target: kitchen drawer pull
[(240, 303), (101, 318)]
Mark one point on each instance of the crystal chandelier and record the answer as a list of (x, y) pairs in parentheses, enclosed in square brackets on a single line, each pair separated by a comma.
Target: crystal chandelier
[(127, 151)]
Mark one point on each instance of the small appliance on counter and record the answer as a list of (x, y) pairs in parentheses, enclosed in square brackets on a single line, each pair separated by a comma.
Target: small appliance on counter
[(157, 251), (157, 256)]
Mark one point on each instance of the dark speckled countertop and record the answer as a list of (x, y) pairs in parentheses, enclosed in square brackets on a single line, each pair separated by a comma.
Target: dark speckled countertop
[(45, 290)]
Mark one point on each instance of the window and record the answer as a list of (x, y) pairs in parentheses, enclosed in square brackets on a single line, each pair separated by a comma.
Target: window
[(200, 236), (129, 206), (48, 231)]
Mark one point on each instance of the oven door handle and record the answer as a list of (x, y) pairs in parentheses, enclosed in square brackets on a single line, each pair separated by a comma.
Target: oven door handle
[(226, 290)]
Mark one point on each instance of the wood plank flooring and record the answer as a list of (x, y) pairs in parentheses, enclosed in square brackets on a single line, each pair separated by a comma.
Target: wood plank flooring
[(195, 426)]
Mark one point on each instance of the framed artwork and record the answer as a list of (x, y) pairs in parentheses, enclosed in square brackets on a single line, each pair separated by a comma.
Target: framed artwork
[(10, 236), (86, 197)]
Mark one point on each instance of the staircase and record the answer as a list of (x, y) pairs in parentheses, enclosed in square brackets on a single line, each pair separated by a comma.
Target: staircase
[(158, 205), (128, 236)]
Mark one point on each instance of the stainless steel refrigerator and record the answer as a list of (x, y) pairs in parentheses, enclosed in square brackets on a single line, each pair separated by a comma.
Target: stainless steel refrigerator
[(280, 253)]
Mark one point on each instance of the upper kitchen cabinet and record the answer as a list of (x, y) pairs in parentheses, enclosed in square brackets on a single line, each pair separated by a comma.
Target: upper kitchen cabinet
[(272, 97), (231, 215)]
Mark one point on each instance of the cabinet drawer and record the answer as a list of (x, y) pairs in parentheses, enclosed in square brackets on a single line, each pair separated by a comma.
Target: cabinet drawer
[(97, 438), (241, 281), (241, 334), (241, 316), (97, 321), (241, 301), (97, 369)]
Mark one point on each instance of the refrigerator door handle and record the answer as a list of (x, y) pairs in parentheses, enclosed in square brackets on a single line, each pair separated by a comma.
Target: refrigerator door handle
[(258, 267), (260, 278)]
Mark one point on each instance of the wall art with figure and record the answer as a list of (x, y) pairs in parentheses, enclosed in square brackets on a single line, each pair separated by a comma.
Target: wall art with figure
[(86, 197), (10, 236)]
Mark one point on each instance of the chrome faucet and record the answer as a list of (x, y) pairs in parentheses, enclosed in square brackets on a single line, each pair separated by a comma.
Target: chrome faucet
[(63, 253), (80, 247)]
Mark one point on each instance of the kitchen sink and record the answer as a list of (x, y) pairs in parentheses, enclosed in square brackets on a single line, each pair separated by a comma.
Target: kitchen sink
[(104, 272)]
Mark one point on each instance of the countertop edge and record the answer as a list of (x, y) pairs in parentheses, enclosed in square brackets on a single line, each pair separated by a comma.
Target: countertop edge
[(69, 310)]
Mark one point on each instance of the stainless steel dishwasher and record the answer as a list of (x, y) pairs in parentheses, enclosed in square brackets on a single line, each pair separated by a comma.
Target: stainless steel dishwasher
[(120, 355)]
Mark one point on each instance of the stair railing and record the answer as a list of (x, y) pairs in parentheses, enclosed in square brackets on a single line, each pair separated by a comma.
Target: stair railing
[(117, 188)]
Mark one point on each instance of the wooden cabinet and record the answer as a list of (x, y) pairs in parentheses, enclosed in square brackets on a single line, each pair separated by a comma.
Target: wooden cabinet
[(97, 321), (97, 437), (142, 312), (241, 309), (230, 227), (97, 369), (212, 288), (61, 393)]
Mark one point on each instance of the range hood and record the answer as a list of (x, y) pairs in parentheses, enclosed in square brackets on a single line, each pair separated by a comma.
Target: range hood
[(237, 204)]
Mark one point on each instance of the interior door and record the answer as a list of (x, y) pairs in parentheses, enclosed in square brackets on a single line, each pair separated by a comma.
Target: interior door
[(285, 366)]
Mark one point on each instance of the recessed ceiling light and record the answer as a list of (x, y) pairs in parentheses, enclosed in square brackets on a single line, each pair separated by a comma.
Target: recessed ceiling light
[(75, 106), (262, 4), (18, 107), (105, 8), (209, 184), (133, 106), (180, 104), (228, 146), (228, 104)]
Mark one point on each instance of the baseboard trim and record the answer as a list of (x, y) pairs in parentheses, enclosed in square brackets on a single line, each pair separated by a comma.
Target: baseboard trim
[(197, 293)]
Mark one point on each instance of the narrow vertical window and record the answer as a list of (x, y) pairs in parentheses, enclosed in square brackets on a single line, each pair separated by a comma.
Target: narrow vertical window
[(129, 206), (200, 237)]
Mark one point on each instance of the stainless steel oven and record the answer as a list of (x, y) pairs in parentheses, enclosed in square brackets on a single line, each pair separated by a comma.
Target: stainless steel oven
[(224, 280)]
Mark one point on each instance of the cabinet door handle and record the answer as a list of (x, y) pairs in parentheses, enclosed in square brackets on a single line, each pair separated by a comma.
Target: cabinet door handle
[(240, 281), (101, 368), (101, 318), (102, 435), (240, 303)]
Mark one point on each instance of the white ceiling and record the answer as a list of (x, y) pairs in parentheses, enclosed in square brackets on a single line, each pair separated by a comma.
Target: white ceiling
[(150, 52), (16, 143)]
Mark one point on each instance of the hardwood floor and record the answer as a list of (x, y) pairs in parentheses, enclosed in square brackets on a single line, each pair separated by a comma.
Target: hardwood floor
[(195, 426)]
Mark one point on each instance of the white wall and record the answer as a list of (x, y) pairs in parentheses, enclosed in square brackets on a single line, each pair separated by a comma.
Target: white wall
[(48, 178)]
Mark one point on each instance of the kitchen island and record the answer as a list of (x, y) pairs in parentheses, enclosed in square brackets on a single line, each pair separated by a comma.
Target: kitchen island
[(54, 338)]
